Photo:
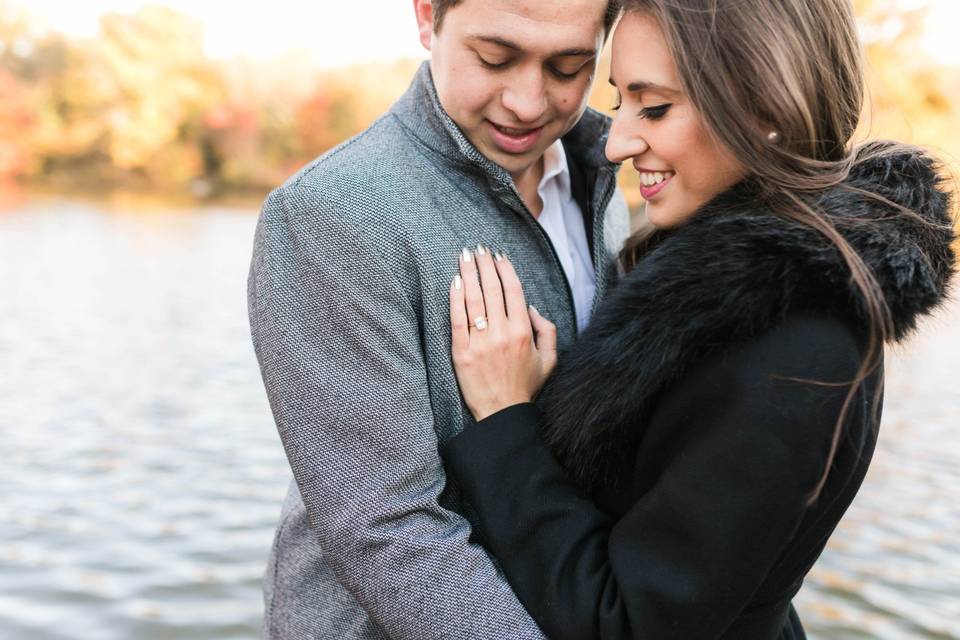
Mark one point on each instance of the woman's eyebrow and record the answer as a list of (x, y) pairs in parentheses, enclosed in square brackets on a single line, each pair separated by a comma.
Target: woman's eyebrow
[(643, 85)]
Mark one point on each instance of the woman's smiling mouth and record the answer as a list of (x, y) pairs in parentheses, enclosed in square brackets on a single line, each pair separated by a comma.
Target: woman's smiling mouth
[(653, 182)]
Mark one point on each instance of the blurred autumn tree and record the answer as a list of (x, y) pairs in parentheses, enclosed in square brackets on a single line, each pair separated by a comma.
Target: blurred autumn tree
[(911, 97), (152, 88), (17, 94), (346, 101), (140, 104), (128, 105)]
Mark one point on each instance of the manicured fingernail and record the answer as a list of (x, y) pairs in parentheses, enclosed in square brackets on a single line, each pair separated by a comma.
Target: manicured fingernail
[(457, 282), (480, 250), (465, 255), (534, 309), (498, 256)]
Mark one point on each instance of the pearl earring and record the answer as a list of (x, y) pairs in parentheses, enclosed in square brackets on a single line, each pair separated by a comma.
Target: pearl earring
[(773, 137)]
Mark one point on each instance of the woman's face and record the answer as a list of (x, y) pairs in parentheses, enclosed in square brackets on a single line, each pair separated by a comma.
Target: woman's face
[(681, 167)]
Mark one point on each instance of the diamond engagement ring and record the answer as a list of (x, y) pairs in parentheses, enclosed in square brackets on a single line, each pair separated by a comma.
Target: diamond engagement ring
[(480, 322)]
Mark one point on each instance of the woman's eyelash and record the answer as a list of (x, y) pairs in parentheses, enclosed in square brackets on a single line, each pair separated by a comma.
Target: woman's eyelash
[(648, 113), (655, 113)]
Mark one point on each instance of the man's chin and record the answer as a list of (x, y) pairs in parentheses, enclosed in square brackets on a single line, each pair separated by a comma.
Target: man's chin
[(513, 163)]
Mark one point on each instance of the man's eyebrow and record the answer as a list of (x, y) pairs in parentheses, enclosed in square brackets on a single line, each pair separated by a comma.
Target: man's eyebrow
[(497, 41), (574, 52), (642, 85), (507, 44)]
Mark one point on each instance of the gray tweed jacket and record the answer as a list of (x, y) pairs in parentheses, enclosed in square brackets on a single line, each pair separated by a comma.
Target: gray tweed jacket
[(348, 303)]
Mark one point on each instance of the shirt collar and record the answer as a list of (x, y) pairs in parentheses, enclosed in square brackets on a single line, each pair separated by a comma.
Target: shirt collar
[(555, 166)]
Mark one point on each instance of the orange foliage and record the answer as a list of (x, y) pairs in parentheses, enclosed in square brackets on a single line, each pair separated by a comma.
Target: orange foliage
[(142, 102), (16, 122)]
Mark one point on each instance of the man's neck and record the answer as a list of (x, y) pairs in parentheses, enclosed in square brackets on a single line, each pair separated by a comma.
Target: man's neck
[(528, 184)]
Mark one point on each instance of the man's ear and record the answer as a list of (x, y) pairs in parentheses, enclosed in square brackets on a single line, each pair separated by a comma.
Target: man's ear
[(424, 10)]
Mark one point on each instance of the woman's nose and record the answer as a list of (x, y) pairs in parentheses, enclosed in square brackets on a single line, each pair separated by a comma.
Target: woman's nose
[(622, 143)]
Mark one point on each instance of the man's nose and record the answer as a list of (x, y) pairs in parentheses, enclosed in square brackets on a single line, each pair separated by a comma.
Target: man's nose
[(526, 96), (622, 142)]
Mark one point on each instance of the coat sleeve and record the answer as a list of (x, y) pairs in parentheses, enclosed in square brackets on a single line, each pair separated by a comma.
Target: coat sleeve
[(339, 348), (730, 492)]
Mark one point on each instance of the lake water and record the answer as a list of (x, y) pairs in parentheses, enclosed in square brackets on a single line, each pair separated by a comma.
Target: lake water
[(142, 475)]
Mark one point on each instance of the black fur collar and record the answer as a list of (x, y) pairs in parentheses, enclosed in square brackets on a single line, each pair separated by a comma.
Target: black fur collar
[(735, 271)]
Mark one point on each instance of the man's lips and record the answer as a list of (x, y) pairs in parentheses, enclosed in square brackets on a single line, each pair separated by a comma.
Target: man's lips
[(514, 140)]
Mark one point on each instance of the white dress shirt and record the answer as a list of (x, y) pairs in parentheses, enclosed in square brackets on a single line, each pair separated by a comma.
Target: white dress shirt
[(563, 223)]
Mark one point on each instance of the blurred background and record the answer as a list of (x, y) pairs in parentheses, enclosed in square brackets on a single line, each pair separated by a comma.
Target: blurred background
[(142, 475)]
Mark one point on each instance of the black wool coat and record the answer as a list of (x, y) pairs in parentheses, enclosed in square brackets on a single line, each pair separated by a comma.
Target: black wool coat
[(661, 488)]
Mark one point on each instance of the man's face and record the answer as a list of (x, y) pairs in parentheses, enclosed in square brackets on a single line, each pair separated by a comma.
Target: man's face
[(515, 74)]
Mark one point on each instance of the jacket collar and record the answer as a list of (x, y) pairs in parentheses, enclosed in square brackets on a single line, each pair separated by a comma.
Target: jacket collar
[(733, 272)]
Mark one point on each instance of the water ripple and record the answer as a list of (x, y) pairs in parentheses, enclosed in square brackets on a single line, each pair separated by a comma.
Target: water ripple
[(143, 475)]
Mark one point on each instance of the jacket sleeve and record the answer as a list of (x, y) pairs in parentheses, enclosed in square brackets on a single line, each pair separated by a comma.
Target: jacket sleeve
[(730, 492), (340, 352)]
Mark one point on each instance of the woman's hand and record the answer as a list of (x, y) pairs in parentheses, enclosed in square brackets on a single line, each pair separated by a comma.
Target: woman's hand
[(503, 351)]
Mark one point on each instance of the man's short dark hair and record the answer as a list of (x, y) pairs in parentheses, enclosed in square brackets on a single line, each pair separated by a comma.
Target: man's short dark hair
[(440, 8)]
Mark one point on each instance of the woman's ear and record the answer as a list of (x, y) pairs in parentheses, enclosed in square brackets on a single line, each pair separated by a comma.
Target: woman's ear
[(769, 132)]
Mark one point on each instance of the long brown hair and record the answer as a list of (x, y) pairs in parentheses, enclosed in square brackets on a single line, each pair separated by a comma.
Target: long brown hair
[(794, 67)]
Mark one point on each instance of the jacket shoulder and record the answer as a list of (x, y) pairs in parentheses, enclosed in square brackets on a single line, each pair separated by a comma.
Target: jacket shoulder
[(806, 344), (781, 393), (375, 184), (379, 168), (355, 156)]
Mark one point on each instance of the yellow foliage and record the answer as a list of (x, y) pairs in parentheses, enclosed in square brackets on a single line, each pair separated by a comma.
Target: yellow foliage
[(160, 79), (143, 100)]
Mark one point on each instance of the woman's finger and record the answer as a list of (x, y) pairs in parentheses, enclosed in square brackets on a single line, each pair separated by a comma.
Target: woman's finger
[(545, 335), (545, 332), (513, 299), (490, 282), (473, 296), (459, 325)]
